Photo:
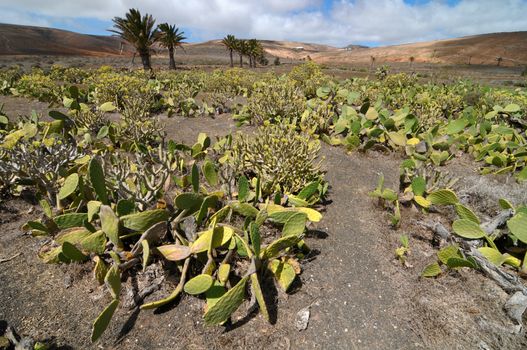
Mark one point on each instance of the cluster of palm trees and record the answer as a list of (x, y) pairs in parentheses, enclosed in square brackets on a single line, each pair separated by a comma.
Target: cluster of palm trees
[(141, 32), (252, 48)]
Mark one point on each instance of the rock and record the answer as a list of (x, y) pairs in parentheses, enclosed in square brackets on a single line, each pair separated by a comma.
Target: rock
[(302, 319), (421, 147), (516, 306), (68, 281), (483, 346), (190, 227), (24, 343)]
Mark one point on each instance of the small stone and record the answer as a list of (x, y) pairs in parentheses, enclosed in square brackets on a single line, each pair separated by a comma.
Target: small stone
[(421, 147), (516, 306), (483, 346), (68, 281), (302, 319)]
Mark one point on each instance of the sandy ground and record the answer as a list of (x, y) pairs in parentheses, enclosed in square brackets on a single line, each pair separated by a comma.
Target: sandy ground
[(360, 296)]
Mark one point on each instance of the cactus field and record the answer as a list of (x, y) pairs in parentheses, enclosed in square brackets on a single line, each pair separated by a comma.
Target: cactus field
[(204, 209)]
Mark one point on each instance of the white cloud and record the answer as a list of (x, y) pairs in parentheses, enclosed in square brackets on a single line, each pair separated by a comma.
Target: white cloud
[(381, 21), (20, 17)]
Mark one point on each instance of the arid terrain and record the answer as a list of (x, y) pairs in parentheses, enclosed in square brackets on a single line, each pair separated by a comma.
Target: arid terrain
[(472, 50), (361, 293)]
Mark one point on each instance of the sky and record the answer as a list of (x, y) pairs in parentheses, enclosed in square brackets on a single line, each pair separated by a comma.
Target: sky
[(332, 22)]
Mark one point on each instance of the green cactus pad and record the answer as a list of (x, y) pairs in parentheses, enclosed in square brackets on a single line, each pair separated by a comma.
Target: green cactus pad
[(93, 209), (110, 224), (277, 246), (100, 270), (466, 213), (74, 235), (208, 202), (227, 304), (243, 189), (219, 236), (72, 253), (125, 207), (254, 234), (295, 225), (94, 243), (70, 220), (223, 273), (96, 173), (418, 186), (283, 272), (174, 252), (70, 185), (492, 255), (257, 290), (443, 197), (103, 320), (455, 263), (432, 270), (210, 173), (113, 281), (518, 226), (309, 190), (214, 294), (189, 201), (467, 229), (505, 204), (144, 220), (245, 209), (195, 178), (448, 252), (199, 284)]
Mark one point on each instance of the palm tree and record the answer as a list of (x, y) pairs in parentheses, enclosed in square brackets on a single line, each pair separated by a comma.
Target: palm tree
[(170, 37), (251, 46), (255, 52), (139, 31), (230, 43), (412, 59), (241, 48)]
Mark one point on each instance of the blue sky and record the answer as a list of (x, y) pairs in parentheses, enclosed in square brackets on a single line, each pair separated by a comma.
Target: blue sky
[(333, 22)]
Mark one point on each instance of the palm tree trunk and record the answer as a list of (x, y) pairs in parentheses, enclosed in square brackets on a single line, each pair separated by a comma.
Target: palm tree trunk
[(232, 62), (250, 61), (145, 58), (172, 62), (241, 61)]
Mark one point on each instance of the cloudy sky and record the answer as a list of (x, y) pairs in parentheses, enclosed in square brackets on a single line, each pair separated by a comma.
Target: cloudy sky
[(333, 22)]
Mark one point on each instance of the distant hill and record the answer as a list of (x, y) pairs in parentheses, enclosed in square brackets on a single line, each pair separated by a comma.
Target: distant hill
[(477, 49), (282, 49), (355, 47), (28, 40)]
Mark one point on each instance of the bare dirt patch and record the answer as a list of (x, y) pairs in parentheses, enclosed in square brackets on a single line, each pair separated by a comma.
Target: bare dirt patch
[(360, 297)]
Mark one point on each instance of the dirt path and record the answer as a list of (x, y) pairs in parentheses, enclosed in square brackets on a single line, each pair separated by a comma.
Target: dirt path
[(356, 306), (360, 298)]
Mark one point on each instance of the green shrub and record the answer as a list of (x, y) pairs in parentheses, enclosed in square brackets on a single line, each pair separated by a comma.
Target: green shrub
[(283, 159), (309, 77), (274, 102)]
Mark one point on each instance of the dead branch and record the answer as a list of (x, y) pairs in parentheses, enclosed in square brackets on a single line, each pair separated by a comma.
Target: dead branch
[(496, 222), (505, 280), (10, 258)]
